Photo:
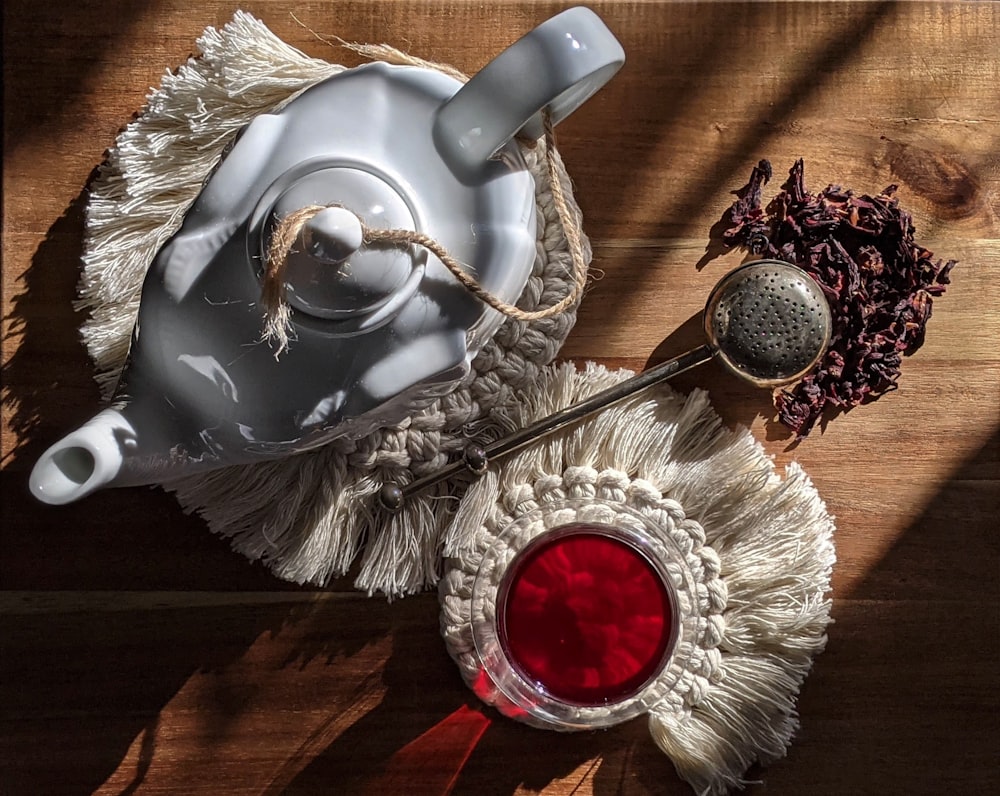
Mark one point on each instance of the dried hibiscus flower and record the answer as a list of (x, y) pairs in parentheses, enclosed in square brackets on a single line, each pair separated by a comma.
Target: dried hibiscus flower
[(879, 282)]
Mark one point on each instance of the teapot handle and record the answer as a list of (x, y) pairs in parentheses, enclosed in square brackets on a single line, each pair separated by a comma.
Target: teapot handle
[(558, 65)]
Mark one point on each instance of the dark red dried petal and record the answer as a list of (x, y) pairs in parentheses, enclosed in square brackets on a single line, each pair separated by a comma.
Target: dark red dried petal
[(746, 217), (879, 282)]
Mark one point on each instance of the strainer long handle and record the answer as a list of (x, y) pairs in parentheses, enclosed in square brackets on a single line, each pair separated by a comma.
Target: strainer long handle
[(476, 461)]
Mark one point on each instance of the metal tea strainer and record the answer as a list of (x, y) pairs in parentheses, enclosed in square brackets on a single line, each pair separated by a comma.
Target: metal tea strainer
[(767, 322)]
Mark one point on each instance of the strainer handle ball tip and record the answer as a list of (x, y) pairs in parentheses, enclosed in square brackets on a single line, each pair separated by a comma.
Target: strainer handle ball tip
[(766, 321)]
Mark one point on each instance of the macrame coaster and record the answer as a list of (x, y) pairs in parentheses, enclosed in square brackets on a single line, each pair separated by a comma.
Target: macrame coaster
[(759, 548), (307, 517)]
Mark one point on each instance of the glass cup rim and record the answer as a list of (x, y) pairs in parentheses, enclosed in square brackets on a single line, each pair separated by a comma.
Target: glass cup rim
[(643, 536)]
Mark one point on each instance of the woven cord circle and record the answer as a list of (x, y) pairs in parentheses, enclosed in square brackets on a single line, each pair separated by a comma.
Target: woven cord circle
[(696, 661)]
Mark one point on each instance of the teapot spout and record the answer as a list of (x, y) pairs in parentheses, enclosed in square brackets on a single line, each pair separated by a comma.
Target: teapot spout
[(85, 460)]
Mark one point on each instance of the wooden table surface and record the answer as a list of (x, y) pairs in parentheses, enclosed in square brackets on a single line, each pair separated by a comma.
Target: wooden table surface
[(140, 655)]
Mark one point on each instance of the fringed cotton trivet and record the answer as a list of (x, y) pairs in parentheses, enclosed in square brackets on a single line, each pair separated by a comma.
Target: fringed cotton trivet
[(753, 572), (307, 517)]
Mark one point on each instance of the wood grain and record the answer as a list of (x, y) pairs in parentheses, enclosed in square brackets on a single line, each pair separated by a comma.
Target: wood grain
[(140, 655)]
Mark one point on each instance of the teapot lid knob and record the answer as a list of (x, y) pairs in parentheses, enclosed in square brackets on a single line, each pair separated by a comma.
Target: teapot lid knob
[(332, 235)]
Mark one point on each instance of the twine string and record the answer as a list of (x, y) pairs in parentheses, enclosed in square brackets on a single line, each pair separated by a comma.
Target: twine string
[(277, 318)]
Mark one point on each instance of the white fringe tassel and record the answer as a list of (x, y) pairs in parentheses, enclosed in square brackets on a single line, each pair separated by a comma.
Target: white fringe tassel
[(773, 538)]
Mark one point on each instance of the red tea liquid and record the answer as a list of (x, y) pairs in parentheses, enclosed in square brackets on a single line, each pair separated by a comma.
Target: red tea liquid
[(585, 615)]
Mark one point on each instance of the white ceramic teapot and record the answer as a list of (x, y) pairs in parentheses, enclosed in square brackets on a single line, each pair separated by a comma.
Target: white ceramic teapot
[(376, 332)]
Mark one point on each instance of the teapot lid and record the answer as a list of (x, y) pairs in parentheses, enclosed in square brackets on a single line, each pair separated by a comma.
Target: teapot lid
[(330, 274)]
